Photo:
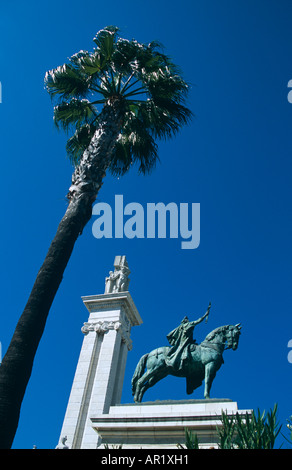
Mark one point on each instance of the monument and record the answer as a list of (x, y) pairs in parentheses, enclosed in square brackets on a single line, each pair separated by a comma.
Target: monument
[(98, 380), (95, 418), (185, 358)]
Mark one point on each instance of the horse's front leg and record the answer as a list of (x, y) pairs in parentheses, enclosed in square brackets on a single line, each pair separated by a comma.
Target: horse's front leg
[(210, 372)]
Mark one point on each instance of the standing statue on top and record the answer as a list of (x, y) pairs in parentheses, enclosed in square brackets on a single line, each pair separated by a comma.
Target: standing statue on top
[(118, 280), (186, 358)]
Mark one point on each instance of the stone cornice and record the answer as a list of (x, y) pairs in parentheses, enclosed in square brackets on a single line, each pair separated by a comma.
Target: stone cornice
[(112, 301)]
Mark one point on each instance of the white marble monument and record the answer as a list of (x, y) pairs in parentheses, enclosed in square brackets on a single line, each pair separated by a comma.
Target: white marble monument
[(100, 370)]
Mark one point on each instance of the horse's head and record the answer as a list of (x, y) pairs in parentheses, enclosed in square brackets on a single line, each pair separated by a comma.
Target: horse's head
[(232, 336), (228, 334)]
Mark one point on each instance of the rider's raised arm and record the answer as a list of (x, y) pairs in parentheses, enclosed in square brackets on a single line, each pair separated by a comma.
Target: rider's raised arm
[(196, 322)]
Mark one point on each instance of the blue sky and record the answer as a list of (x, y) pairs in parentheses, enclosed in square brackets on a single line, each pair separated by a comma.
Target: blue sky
[(235, 159)]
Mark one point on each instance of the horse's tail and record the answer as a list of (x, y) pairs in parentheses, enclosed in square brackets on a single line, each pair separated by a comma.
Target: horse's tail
[(139, 372)]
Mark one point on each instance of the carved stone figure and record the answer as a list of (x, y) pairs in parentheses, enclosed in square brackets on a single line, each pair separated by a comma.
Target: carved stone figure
[(118, 280), (62, 444), (186, 358)]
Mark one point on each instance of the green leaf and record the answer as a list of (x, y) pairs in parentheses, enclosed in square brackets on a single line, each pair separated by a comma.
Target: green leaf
[(105, 40), (74, 113), (79, 142), (67, 82), (92, 63)]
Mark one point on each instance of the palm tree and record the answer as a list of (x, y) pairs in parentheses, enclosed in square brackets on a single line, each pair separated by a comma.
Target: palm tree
[(117, 101)]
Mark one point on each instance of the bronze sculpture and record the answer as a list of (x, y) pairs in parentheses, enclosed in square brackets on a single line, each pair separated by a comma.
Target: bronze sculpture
[(186, 358)]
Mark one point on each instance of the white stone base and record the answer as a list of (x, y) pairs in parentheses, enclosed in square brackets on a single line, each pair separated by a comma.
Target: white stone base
[(162, 424)]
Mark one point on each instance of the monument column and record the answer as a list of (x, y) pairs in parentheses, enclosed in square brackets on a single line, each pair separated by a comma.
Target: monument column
[(100, 370)]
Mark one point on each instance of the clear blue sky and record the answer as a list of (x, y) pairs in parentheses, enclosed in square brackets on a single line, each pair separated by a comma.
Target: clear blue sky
[(235, 159)]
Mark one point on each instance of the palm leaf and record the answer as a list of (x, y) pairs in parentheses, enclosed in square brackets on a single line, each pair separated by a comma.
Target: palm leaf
[(74, 113), (105, 40), (92, 63), (79, 142), (67, 82), (134, 146), (143, 153), (124, 55), (163, 118)]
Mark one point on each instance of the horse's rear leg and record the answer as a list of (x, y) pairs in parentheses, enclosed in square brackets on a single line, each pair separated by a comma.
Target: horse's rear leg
[(149, 379), (142, 385), (149, 383)]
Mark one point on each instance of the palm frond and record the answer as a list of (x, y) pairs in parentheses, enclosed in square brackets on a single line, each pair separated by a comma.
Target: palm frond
[(91, 63), (135, 145), (105, 40), (124, 58), (75, 58), (67, 82), (163, 118), (74, 113), (167, 86), (79, 142)]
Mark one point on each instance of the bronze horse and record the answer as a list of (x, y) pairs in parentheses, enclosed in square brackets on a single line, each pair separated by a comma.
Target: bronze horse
[(206, 360)]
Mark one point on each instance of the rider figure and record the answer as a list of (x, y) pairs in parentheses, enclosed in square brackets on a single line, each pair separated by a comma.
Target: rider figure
[(180, 339)]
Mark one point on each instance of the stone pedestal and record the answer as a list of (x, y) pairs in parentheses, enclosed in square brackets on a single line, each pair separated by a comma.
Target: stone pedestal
[(98, 380), (162, 424)]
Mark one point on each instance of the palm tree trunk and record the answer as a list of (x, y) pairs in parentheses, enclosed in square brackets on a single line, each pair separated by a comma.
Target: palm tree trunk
[(17, 363)]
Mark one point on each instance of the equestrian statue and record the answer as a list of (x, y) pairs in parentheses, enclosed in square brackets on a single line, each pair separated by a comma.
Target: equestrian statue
[(185, 358)]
